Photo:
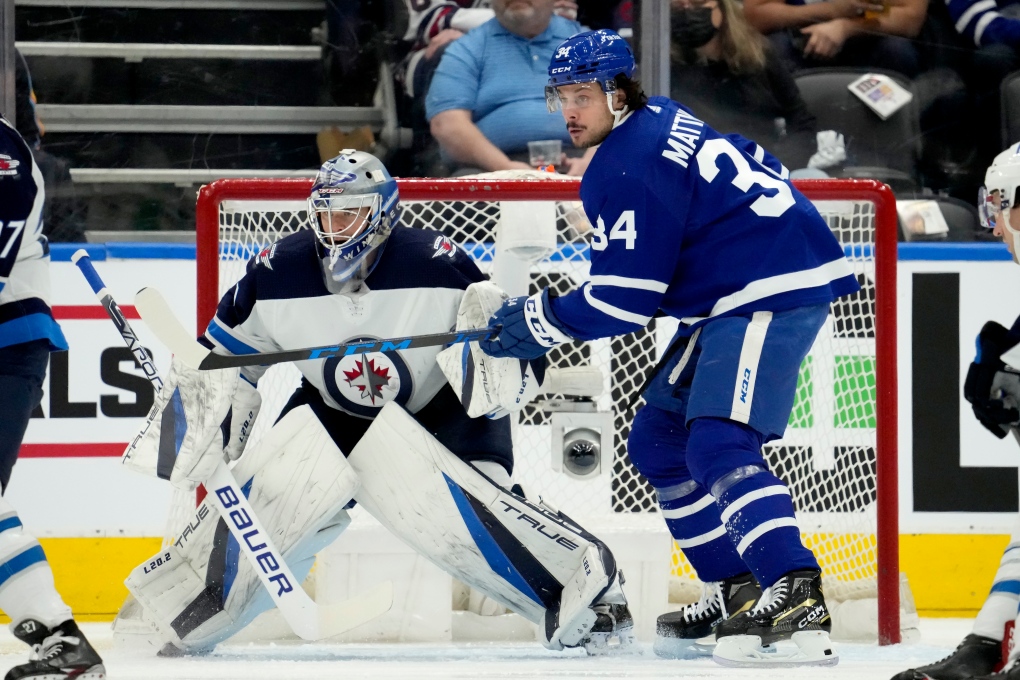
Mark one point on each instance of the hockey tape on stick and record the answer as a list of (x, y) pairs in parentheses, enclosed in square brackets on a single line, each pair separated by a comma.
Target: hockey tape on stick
[(160, 318), (307, 619)]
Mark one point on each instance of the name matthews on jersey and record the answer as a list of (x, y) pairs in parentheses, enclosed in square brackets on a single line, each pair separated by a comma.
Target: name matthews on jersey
[(683, 137)]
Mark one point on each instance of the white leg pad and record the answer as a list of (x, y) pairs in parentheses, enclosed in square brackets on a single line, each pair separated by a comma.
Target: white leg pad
[(524, 557), (201, 590)]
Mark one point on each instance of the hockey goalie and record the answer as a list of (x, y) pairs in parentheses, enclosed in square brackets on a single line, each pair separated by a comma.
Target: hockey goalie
[(416, 437)]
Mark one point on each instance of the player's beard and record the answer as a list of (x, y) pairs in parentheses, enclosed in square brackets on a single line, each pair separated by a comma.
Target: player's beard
[(592, 135)]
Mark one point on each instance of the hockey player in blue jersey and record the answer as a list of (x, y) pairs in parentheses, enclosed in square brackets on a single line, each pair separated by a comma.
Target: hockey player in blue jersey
[(28, 333), (705, 228), (384, 429)]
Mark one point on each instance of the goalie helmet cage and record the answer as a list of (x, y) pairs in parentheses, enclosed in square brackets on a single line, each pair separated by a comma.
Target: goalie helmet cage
[(839, 455)]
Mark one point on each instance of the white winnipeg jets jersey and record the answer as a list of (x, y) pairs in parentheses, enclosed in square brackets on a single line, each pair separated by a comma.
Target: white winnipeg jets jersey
[(282, 302)]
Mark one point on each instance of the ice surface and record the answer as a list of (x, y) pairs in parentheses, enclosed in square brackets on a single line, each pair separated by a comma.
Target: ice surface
[(479, 661)]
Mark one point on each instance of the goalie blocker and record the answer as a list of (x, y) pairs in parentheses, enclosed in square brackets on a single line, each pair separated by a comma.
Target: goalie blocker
[(535, 562)]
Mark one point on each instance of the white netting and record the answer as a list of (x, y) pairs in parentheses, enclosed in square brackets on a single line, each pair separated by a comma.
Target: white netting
[(829, 452)]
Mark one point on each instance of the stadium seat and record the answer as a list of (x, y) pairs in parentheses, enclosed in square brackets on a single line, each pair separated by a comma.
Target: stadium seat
[(961, 218), (880, 149), (1010, 97)]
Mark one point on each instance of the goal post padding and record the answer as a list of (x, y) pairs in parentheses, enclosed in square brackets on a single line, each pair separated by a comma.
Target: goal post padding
[(839, 455)]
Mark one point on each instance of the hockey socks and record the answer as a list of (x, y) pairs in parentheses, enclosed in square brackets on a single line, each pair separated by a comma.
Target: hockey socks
[(26, 581), (1002, 602), (758, 514), (692, 516)]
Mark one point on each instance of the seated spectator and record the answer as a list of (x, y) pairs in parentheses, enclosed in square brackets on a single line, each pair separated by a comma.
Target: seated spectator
[(732, 78), (993, 31), (862, 33), (486, 100)]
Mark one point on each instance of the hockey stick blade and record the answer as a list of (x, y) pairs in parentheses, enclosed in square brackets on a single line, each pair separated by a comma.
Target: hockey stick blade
[(161, 320), (341, 617)]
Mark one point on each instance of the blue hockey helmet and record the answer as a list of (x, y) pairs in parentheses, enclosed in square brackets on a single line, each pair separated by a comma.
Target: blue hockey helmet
[(594, 56), (353, 207)]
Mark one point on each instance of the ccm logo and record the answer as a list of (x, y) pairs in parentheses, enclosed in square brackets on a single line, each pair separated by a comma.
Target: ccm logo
[(744, 385), (267, 561), (560, 69)]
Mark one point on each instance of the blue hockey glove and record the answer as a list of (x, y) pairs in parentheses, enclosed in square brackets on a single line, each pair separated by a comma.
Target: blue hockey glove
[(529, 329), (991, 387)]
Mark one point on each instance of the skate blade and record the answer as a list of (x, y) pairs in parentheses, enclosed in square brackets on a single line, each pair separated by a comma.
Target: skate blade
[(810, 648), (97, 672), (611, 644), (683, 648)]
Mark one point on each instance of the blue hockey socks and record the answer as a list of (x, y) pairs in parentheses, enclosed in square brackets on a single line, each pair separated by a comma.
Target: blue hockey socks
[(693, 519)]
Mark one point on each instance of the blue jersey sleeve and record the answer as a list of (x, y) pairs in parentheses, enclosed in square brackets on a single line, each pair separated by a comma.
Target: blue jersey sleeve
[(634, 251), (980, 21)]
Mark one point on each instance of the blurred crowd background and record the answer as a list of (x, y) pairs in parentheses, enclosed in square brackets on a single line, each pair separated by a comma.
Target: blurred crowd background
[(131, 108)]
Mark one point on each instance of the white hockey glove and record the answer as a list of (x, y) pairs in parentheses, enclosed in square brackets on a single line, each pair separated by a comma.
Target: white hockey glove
[(488, 386), (244, 409), (181, 439)]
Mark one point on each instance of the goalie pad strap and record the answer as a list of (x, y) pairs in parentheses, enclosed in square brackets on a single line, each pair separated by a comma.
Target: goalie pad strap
[(513, 551)]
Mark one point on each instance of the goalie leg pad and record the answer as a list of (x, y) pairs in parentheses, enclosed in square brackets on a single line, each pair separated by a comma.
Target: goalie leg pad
[(202, 589), (528, 559)]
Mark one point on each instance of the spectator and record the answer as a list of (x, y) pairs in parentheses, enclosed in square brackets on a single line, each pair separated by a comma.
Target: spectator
[(63, 218), (733, 80), (355, 45), (485, 102), (993, 31), (863, 33)]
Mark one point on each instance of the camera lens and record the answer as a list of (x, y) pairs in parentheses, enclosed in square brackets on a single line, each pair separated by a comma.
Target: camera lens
[(581, 451)]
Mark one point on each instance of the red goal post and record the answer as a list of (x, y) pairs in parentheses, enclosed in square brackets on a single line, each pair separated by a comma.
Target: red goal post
[(855, 198)]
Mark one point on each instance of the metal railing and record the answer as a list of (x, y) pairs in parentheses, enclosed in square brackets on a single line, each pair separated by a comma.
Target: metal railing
[(136, 52)]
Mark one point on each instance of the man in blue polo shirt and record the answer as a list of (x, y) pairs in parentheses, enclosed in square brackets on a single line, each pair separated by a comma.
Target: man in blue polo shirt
[(486, 100)]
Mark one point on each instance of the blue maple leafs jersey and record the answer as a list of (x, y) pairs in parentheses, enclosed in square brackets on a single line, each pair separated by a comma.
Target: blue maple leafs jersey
[(24, 252), (698, 225), (282, 302)]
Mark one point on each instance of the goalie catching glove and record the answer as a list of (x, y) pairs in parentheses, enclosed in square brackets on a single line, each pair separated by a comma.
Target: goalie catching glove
[(992, 387), (198, 419), (488, 386)]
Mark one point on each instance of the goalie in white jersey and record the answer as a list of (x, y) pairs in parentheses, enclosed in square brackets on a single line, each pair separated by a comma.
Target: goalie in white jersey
[(436, 477)]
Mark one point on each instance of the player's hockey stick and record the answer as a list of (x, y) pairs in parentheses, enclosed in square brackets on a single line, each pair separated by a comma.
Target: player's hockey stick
[(307, 619), (160, 318)]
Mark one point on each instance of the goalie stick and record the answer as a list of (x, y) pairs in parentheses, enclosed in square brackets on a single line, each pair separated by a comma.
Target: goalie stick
[(160, 318), (310, 621)]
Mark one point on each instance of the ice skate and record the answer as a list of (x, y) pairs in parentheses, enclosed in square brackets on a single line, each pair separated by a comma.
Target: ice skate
[(1011, 672), (679, 634), (791, 609), (613, 631), (57, 653), (975, 656)]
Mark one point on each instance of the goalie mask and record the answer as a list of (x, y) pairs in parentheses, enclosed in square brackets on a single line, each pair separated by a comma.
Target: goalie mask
[(594, 57), (353, 206), (999, 195)]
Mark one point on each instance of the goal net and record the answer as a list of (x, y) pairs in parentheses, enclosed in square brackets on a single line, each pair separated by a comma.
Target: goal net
[(839, 452)]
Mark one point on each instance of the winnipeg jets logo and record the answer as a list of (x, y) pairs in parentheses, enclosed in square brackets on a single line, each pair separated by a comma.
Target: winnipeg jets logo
[(444, 246), (361, 384), (265, 256), (563, 52), (368, 379), (8, 165)]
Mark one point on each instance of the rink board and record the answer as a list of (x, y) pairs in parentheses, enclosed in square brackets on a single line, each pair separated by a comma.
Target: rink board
[(69, 486)]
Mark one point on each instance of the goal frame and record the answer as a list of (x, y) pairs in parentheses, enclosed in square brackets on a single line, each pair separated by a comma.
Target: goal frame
[(427, 189)]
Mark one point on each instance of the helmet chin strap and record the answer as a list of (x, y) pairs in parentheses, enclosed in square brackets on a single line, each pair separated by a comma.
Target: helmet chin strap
[(618, 116), (1016, 237)]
